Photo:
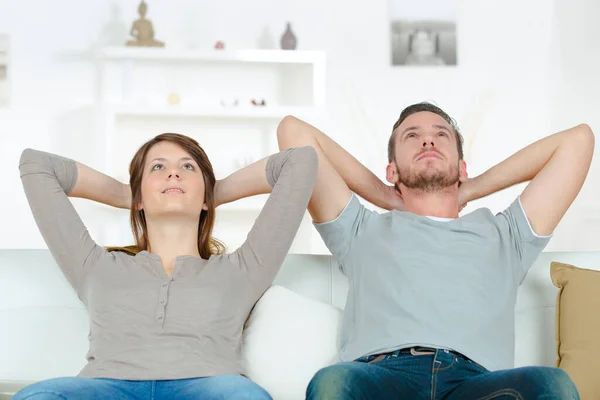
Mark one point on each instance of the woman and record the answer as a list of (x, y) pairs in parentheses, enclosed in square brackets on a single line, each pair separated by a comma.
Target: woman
[(166, 315)]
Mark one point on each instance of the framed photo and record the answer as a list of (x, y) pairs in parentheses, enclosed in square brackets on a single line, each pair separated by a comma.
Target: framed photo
[(423, 33), (4, 70)]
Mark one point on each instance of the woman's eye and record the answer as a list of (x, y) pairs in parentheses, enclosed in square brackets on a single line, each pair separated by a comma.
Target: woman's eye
[(189, 167), (156, 167)]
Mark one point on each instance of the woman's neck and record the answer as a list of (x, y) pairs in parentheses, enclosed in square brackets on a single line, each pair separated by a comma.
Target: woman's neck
[(171, 238)]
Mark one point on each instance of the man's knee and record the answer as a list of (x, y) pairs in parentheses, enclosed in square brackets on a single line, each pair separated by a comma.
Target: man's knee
[(333, 382), (553, 382), (565, 387), (38, 396), (44, 390)]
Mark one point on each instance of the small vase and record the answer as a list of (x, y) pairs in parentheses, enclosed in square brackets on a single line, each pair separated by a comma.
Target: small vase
[(288, 39)]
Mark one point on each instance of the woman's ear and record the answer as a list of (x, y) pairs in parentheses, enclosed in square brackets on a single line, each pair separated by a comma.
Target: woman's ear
[(205, 207)]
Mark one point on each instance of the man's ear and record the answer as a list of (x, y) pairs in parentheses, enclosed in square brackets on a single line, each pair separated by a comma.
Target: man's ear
[(462, 170), (391, 173)]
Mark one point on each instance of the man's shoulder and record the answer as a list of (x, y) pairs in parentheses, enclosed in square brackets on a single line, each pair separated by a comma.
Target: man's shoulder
[(482, 213), (505, 219)]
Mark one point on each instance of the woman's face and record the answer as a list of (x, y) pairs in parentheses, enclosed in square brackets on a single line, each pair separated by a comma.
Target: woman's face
[(172, 183)]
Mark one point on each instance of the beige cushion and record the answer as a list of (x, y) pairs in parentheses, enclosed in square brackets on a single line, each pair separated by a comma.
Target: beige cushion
[(578, 326)]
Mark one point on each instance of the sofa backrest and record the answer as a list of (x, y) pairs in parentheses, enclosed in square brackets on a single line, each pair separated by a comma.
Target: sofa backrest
[(45, 326)]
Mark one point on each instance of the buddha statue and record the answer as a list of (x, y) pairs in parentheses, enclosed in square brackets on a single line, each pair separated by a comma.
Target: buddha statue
[(424, 48), (142, 30)]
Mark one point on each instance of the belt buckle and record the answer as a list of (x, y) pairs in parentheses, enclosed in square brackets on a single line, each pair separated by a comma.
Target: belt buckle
[(416, 352)]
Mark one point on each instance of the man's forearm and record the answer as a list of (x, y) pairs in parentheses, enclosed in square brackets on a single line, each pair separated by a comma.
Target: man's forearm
[(293, 132), (524, 165)]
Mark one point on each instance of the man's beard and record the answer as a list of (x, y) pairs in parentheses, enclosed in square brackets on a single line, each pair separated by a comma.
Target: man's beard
[(427, 181)]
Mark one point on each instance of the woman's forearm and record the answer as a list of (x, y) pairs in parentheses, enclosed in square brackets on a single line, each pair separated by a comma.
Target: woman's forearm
[(246, 182), (94, 185)]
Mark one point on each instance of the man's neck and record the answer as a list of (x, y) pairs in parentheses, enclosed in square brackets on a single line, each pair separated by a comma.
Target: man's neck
[(441, 203), (172, 237)]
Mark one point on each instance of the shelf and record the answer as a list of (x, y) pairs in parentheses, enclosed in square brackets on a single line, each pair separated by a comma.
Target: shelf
[(210, 55), (238, 112)]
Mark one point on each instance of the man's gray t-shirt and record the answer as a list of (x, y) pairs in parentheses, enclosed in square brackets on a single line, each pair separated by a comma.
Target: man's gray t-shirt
[(414, 280)]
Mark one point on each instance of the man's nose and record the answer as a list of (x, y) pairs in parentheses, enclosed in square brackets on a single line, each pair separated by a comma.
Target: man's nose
[(428, 142)]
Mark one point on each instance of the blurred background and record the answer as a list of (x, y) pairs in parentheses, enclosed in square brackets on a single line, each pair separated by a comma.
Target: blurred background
[(225, 72)]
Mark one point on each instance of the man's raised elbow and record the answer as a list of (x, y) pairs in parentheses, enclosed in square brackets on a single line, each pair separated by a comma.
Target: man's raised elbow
[(288, 124), (291, 134), (585, 131)]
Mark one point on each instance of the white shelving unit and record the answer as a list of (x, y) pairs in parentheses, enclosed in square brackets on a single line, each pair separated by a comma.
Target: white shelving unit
[(207, 55), (127, 58), (267, 113), (134, 84)]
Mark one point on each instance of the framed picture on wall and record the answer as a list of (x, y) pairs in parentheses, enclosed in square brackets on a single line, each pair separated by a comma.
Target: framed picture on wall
[(423, 33), (4, 70)]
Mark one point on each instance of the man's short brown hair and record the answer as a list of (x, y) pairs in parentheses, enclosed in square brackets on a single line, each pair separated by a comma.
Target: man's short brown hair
[(420, 107)]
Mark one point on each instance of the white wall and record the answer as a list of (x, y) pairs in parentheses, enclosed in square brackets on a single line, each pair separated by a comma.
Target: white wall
[(526, 69)]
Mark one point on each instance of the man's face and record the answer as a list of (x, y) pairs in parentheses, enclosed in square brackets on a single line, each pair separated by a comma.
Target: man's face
[(426, 154)]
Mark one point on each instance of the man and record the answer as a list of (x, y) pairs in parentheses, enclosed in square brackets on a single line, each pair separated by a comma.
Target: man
[(430, 309)]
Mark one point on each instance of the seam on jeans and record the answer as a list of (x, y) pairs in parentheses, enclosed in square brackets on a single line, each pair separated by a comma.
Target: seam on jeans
[(434, 376), (46, 391), (153, 396), (503, 392)]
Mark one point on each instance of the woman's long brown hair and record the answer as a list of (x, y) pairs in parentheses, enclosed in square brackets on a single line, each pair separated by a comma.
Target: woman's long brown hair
[(207, 245)]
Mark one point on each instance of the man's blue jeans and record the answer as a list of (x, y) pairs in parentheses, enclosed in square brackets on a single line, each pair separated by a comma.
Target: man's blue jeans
[(436, 374), (212, 388)]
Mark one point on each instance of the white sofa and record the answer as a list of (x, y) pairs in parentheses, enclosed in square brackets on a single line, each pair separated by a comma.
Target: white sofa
[(44, 325)]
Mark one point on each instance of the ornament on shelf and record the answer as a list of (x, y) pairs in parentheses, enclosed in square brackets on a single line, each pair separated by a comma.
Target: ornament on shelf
[(229, 102), (257, 103), (288, 39), (220, 45), (173, 99), (142, 30)]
